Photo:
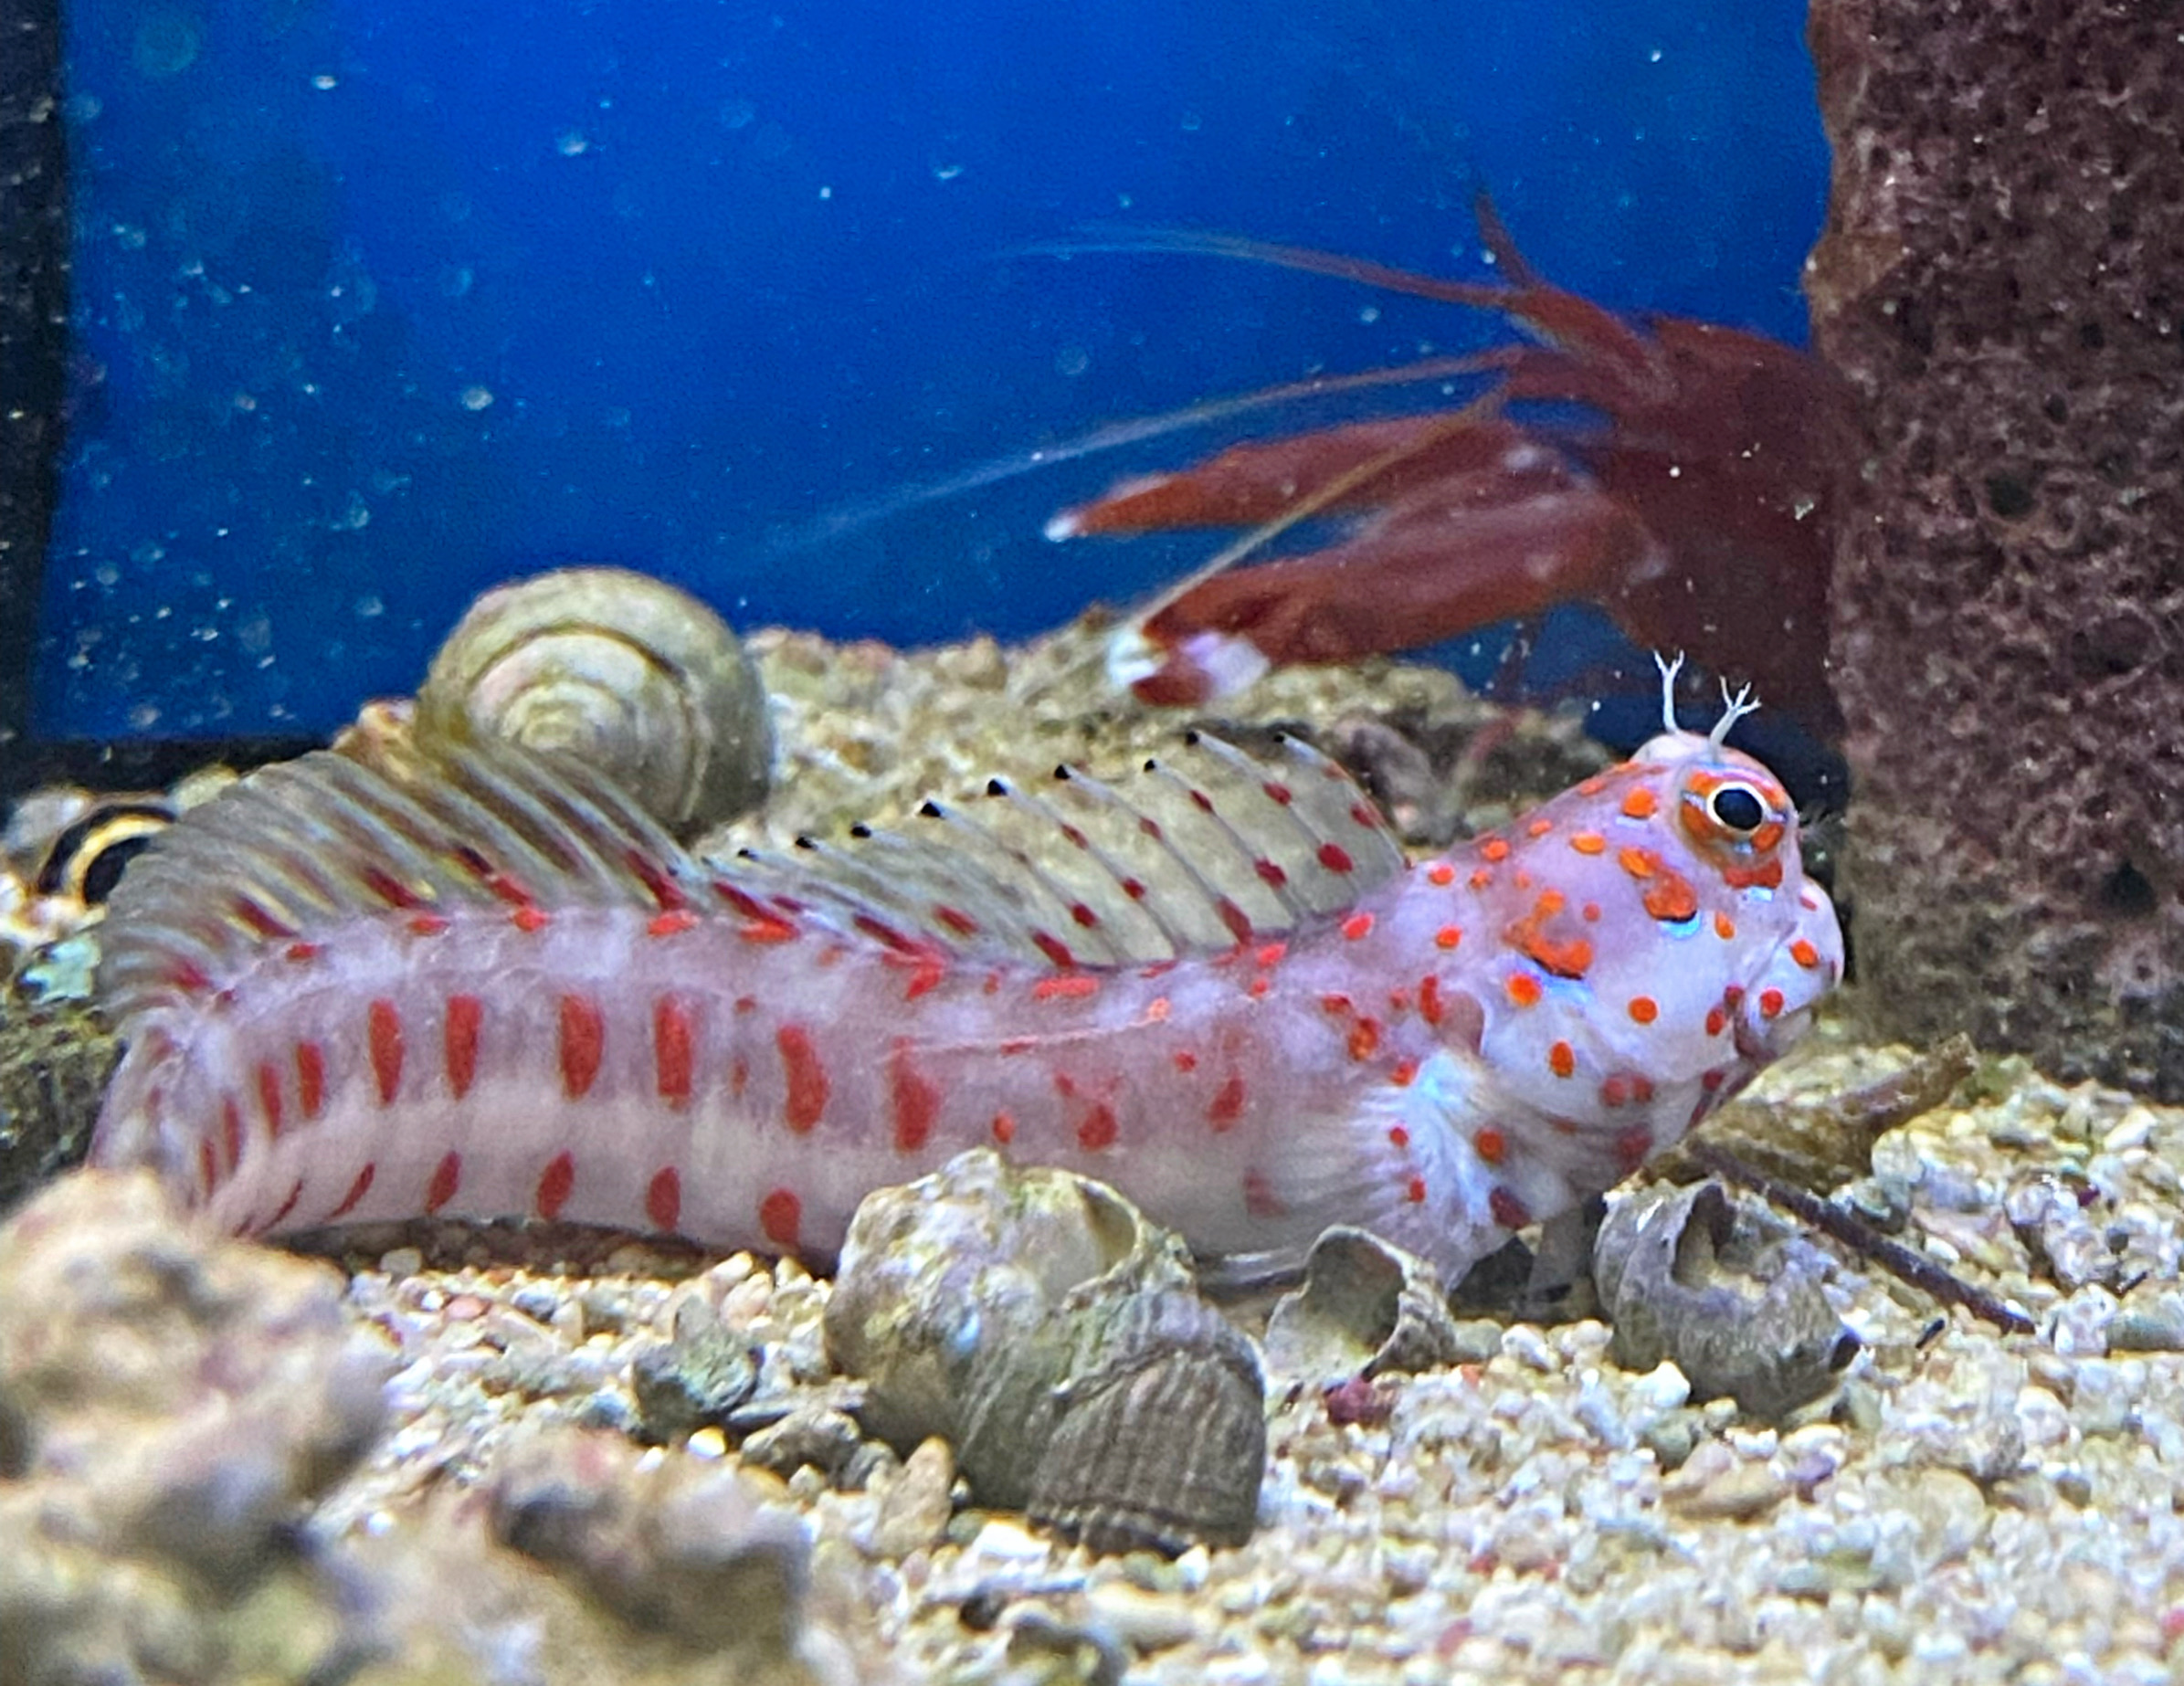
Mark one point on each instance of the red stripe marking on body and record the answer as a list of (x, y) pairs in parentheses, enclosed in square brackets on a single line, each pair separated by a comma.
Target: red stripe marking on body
[(1357, 927), (582, 1042), (808, 1085), (311, 1078), (356, 1192), (232, 1131), (295, 1194), (1228, 1105), (458, 1039), (663, 1198), (554, 1183), (428, 924), (1415, 1191), (268, 1095), (915, 1097), (673, 922), (447, 1177), (674, 1051), (781, 1215), (1075, 987), (1270, 873), (1507, 1209), (1099, 1129), (384, 1022), (530, 919), (300, 952), (1365, 1038), (1004, 1128), (767, 931)]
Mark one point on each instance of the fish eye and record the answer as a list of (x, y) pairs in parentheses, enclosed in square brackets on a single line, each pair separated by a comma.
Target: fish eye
[(1736, 807)]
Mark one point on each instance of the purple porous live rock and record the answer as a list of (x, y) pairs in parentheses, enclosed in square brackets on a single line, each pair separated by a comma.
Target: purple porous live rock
[(2001, 281)]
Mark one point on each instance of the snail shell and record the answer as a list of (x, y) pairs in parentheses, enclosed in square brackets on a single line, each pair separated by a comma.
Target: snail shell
[(1368, 1308), (1054, 1336), (1159, 1439), (1758, 1330), (626, 673)]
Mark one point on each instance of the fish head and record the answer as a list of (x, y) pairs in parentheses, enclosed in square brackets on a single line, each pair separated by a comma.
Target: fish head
[(1727, 824)]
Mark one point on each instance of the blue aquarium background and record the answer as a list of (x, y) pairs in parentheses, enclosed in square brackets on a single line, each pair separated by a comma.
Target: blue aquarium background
[(377, 303)]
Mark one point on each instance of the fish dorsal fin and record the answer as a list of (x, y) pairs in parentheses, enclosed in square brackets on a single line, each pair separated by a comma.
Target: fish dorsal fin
[(297, 846), (1198, 851)]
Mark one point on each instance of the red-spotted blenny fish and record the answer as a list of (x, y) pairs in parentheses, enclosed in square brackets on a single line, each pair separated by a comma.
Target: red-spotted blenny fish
[(477, 986)]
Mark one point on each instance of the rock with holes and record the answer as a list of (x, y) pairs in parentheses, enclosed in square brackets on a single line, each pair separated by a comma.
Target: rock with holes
[(170, 1406)]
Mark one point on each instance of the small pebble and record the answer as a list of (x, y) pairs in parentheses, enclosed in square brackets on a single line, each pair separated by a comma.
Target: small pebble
[(1710, 1487), (1145, 1622)]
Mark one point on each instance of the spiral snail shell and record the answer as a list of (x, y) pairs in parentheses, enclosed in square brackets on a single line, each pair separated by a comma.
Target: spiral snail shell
[(629, 674)]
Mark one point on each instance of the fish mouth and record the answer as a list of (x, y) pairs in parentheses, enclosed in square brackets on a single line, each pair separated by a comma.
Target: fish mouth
[(1763, 1042)]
